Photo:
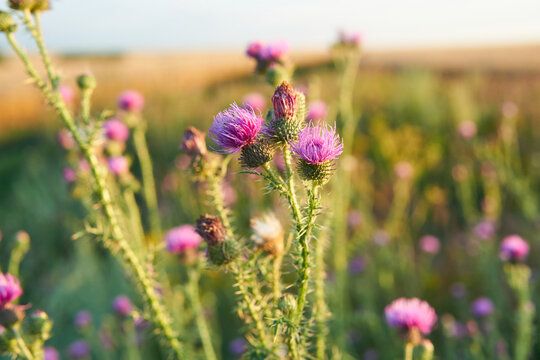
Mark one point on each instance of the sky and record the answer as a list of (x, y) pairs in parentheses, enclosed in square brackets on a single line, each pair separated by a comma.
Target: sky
[(176, 25)]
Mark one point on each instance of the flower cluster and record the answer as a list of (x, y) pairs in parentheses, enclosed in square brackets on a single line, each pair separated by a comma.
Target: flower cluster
[(514, 248), (267, 54)]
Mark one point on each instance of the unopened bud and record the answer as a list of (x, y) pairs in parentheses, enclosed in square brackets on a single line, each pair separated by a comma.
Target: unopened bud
[(7, 24), (211, 229), (86, 82), (40, 325), (194, 142), (287, 305), (21, 4), (9, 317), (277, 74), (223, 253), (285, 101)]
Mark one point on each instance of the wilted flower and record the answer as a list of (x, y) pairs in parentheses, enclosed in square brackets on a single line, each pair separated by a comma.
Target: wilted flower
[(193, 142), (118, 165), (317, 148), (235, 128), (403, 170), (83, 319), (69, 175), (50, 353), (268, 234), (316, 111), (116, 130), (254, 101), (482, 307), (79, 349), (211, 229), (66, 93), (430, 244), (10, 289), (411, 313), (122, 306), (514, 248), (131, 101), (467, 129), (182, 238), (484, 230)]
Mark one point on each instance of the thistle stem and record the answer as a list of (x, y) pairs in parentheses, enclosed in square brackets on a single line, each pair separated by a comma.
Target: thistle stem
[(35, 29), (25, 351), (409, 349), (142, 278), (320, 302), (291, 187)]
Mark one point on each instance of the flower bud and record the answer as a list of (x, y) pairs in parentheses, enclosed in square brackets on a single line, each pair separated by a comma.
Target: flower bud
[(194, 142), (6, 22), (40, 325), (9, 317), (287, 305), (86, 82), (256, 154), (285, 101), (211, 229), (223, 253), (21, 4)]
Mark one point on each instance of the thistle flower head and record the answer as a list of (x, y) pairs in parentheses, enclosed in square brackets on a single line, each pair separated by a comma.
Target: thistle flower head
[(467, 129), (257, 154), (211, 229), (430, 244), (235, 128), (275, 51), (484, 230), (182, 238), (482, 307), (514, 248), (411, 313), (6, 22), (118, 165), (268, 234), (193, 142), (10, 289), (79, 349), (255, 49), (285, 101), (65, 139), (82, 319), (131, 101), (116, 130), (50, 353), (122, 306), (318, 144), (69, 175)]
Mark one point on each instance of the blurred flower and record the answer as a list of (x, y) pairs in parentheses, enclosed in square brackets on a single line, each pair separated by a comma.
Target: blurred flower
[(458, 290), (268, 234), (411, 313), (488, 170), (238, 346), (79, 349), (430, 244), (122, 306), (83, 166), (484, 230), (460, 173), (10, 289), (509, 109), (65, 139), (403, 170), (229, 194), (83, 319), (235, 128), (354, 218), (141, 322), (66, 93), (255, 49), (118, 165), (514, 248), (131, 101), (381, 237), (316, 111), (182, 238), (50, 353), (211, 229), (356, 266), (482, 307), (194, 142), (346, 38), (467, 129), (254, 101), (116, 130), (69, 175), (275, 51)]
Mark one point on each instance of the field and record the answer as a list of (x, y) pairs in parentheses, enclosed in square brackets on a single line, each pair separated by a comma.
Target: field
[(409, 169)]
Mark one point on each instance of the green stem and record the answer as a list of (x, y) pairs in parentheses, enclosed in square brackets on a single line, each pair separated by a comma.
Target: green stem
[(293, 201), (149, 186), (86, 95), (35, 29), (25, 351), (142, 278), (276, 278), (320, 302), (409, 349), (202, 326)]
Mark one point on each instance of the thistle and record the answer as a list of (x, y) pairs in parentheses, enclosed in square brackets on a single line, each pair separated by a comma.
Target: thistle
[(220, 249), (268, 234), (7, 24), (285, 124)]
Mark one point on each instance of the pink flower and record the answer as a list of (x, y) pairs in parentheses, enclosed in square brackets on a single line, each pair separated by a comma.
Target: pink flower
[(65, 139), (10, 289), (255, 49), (467, 129), (514, 248), (182, 238), (122, 305), (69, 175), (411, 313), (131, 101), (254, 101), (116, 130), (317, 111), (430, 244), (275, 51), (83, 319), (66, 92), (118, 165), (484, 230), (403, 170), (482, 307), (50, 353), (79, 349)]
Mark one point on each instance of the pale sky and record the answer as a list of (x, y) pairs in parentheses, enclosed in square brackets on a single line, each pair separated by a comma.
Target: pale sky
[(171, 25)]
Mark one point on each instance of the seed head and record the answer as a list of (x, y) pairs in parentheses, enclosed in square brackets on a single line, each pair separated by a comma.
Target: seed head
[(268, 234)]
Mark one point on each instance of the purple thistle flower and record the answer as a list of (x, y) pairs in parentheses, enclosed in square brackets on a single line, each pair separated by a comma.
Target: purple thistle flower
[(182, 238), (275, 51), (255, 49), (235, 128), (238, 346), (118, 165), (430, 244), (484, 230), (514, 248), (83, 319), (10, 289), (79, 349), (318, 144), (66, 93), (356, 266), (50, 353), (482, 307), (69, 175), (411, 313), (131, 101), (254, 101), (116, 130), (316, 111), (122, 305)]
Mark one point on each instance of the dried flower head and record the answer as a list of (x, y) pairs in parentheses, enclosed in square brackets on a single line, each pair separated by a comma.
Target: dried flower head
[(194, 142), (411, 313), (235, 128), (131, 101), (514, 248), (211, 229), (268, 234), (182, 238), (10, 289)]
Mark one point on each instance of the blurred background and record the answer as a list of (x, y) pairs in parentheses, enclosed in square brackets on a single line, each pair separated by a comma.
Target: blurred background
[(427, 66)]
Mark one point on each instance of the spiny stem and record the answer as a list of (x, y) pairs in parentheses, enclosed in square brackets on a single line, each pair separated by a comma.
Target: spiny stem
[(290, 185), (35, 29), (320, 302), (216, 192), (202, 326), (142, 278), (149, 186)]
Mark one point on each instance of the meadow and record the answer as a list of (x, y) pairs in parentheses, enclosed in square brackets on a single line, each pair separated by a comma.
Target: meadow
[(440, 164)]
